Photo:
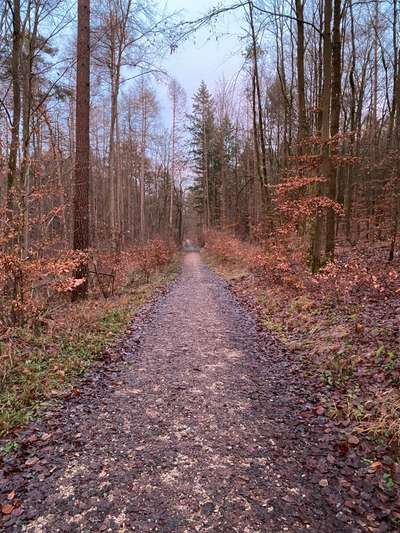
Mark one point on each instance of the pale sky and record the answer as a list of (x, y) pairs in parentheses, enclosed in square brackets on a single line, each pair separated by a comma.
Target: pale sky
[(209, 54), (205, 56)]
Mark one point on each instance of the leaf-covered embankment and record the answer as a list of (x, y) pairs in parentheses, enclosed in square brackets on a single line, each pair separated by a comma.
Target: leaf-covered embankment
[(343, 326), (41, 361), (343, 323)]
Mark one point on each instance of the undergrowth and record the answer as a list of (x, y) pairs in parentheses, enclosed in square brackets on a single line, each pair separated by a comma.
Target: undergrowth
[(42, 362), (342, 324)]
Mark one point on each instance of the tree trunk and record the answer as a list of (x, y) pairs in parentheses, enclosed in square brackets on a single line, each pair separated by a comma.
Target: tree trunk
[(395, 77), (396, 184), (16, 86), (81, 189), (335, 117), (142, 165), (172, 176), (260, 118), (349, 184), (325, 130), (301, 93)]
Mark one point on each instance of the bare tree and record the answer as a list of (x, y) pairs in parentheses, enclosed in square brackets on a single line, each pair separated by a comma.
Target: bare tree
[(177, 98)]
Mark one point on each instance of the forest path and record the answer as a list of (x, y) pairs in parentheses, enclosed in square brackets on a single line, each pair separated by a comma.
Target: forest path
[(198, 429)]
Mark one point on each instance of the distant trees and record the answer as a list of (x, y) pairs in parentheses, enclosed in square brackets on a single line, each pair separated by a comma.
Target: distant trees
[(314, 127), (303, 147), (122, 29), (53, 217), (26, 88)]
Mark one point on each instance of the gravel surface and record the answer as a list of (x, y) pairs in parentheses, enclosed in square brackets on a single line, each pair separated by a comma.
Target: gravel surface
[(197, 426)]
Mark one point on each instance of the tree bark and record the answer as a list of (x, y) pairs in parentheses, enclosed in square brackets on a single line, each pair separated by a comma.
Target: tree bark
[(335, 118), (142, 163), (260, 118), (325, 130), (16, 120), (301, 93), (172, 176), (81, 183)]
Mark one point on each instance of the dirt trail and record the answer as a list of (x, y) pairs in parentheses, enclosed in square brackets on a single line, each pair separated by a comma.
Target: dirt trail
[(200, 428)]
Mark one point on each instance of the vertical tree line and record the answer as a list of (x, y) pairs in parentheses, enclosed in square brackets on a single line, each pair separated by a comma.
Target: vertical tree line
[(84, 166), (316, 119)]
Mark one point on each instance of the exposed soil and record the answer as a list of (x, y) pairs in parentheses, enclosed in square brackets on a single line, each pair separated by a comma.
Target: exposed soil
[(200, 422)]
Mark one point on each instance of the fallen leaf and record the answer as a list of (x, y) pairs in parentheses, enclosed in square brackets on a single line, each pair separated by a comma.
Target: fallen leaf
[(350, 504), (375, 465), (31, 461), (11, 495), (344, 483), (7, 508), (343, 447), (353, 440), (323, 483)]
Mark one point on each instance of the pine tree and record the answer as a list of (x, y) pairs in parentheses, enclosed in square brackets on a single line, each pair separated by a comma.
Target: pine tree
[(202, 130)]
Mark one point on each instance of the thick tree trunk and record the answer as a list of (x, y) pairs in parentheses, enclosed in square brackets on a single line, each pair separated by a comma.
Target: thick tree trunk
[(257, 109), (81, 184), (349, 183), (111, 141), (325, 106), (16, 119), (172, 176), (142, 165), (27, 64), (335, 118), (396, 178), (301, 92), (396, 58)]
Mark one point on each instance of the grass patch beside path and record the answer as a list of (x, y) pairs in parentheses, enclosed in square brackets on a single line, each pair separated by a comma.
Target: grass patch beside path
[(37, 364)]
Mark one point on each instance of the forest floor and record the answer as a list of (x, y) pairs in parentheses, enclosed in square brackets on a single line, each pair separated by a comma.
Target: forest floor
[(41, 359), (202, 421)]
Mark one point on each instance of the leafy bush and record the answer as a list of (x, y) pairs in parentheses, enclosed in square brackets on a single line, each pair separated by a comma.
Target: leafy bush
[(153, 255)]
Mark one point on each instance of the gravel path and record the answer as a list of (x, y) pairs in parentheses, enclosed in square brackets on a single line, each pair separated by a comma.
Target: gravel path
[(199, 427)]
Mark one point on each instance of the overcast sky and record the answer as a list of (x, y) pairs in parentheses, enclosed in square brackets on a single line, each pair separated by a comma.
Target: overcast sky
[(205, 56)]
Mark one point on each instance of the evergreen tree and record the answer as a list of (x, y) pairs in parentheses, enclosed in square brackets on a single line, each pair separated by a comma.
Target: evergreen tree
[(202, 148)]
